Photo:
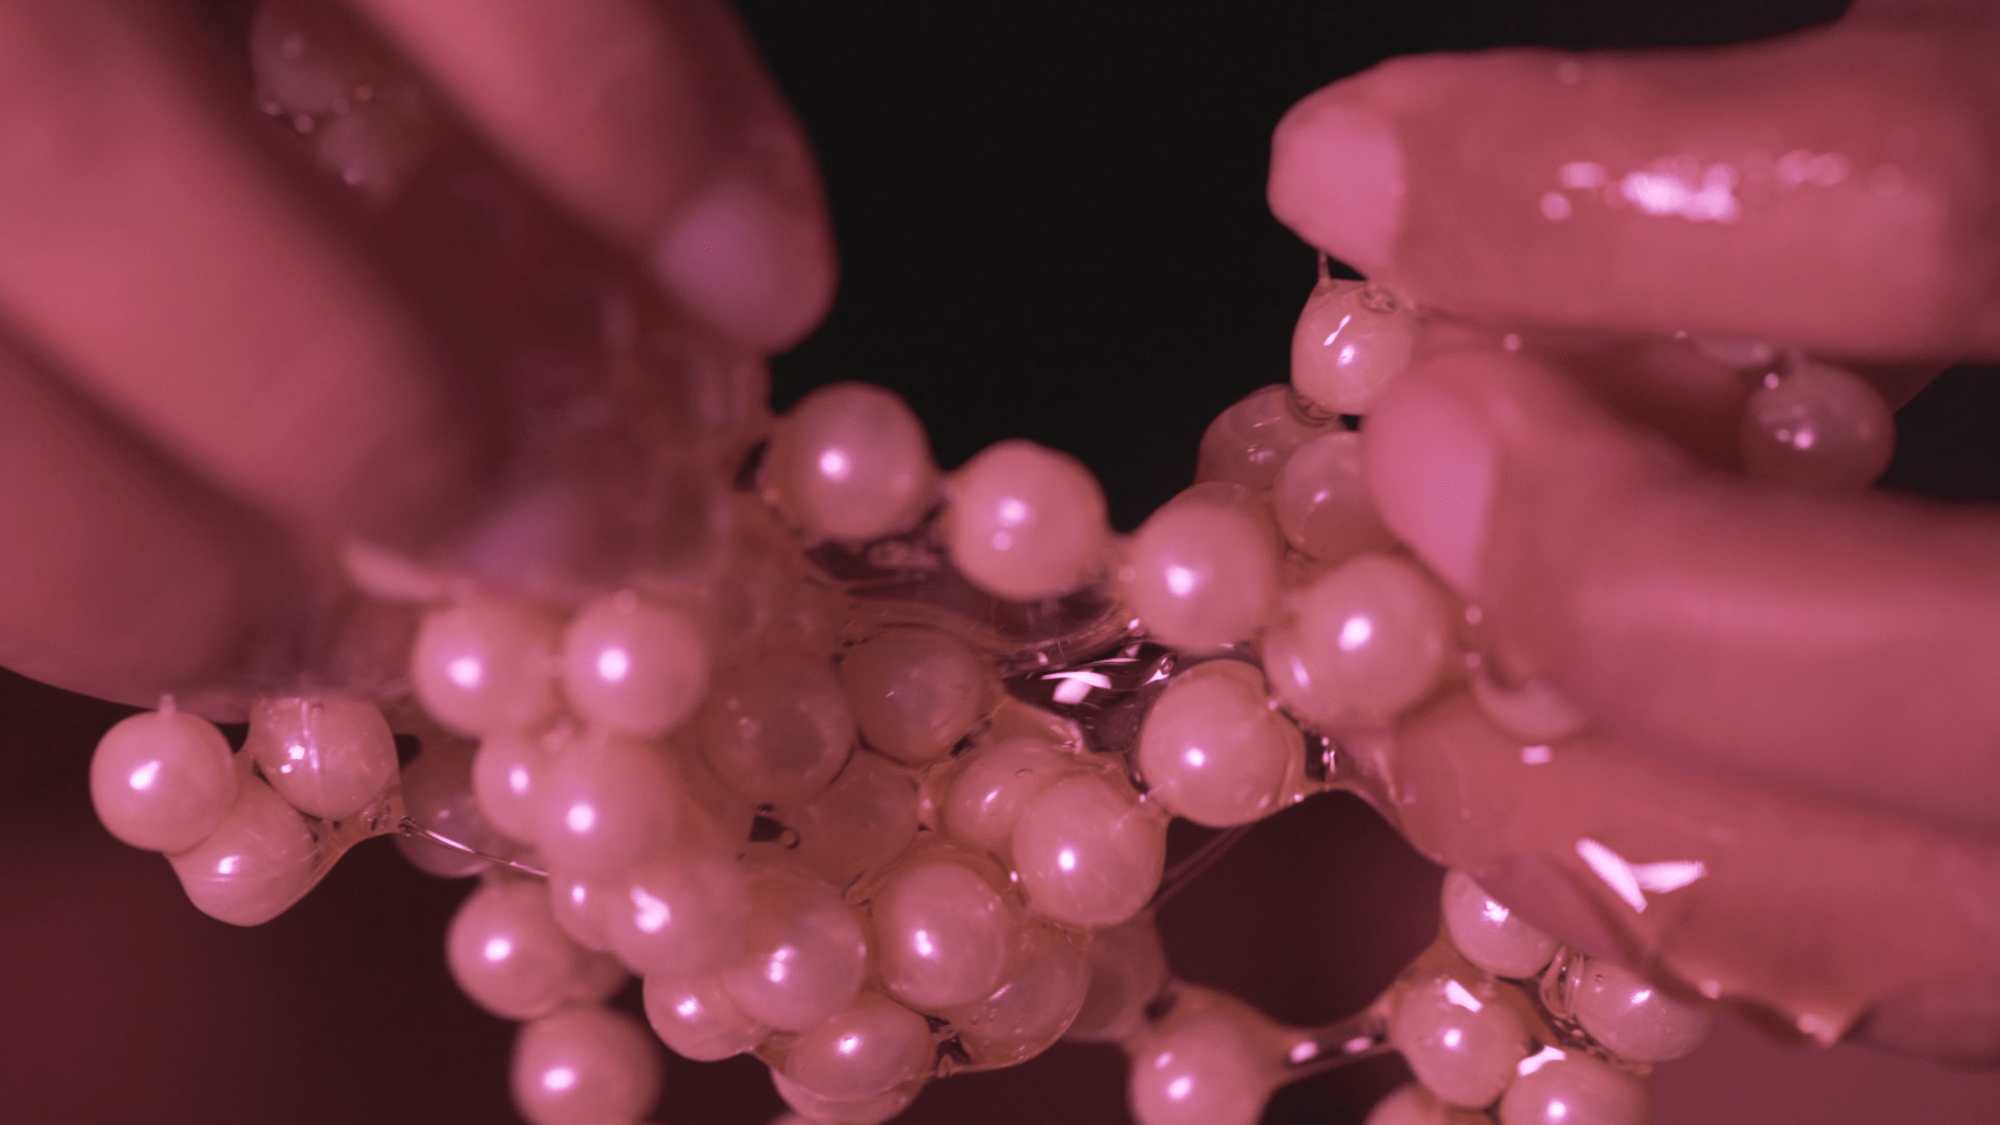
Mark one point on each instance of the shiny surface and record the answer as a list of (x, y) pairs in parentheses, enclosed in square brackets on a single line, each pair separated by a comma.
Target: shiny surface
[(697, 1019), (1352, 338), (994, 785), (1367, 640), (943, 935), (1575, 1090), (850, 461), (483, 667), (1215, 1065), (678, 916), (1212, 750), (633, 666), (1025, 521), (1200, 575), (257, 862), (1634, 1017), (806, 954), (1088, 852), (507, 953), (329, 759), (162, 780), (606, 803), (584, 1066), (1461, 1042), (1034, 1005), (1248, 443), (1322, 504), (1817, 424), (1488, 934), (915, 692), (869, 1049)]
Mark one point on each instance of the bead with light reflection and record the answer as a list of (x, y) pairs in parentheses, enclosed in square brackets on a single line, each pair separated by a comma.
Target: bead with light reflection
[(678, 916), (697, 1020), (1367, 640), (1351, 340), (811, 1107), (1201, 575), (915, 692), (1212, 750), (779, 731), (864, 819), (329, 759), (994, 785), (805, 954), (632, 666), (255, 864), (584, 1066), (1323, 506), (943, 935), (1573, 1089), (850, 461), (1817, 424), (1411, 1104), (1213, 1061), (1248, 443), (162, 780), (1631, 1016), (606, 804), (577, 905), (1088, 852), (507, 953), (506, 774), (1462, 1042), (1025, 521), (1488, 934), (869, 1049), (484, 667), (1034, 1005)]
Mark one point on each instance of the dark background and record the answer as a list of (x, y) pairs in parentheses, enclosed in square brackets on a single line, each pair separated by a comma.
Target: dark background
[(1052, 226)]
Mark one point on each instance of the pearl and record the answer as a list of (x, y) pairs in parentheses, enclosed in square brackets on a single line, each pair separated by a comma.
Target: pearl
[(1488, 934), (162, 780), (869, 1049), (507, 953), (1575, 1090), (1128, 968), (1089, 854), (943, 935), (1351, 340), (1212, 750), (484, 667), (507, 773), (1817, 425), (678, 916), (1411, 1104), (329, 759), (1367, 640), (633, 667), (1323, 505), (805, 954), (437, 793), (863, 820), (259, 861), (1461, 1042), (850, 461), (606, 804), (1201, 575), (1025, 521), (811, 1107), (1035, 1004), (915, 692), (1631, 1016), (993, 786), (1248, 443), (584, 1066), (697, 1019), (780, 731), (1215, 1064)]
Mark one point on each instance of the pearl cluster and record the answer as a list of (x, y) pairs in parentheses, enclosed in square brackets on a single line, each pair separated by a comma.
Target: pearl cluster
[(879, 790)]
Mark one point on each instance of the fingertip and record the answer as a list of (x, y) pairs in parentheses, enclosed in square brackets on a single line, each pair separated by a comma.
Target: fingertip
[(1432, 465), (1337, 178), (751, 261)]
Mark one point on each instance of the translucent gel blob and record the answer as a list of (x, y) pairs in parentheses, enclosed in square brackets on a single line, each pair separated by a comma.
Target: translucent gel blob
[(915, 692), (1367, 640), (779, 731), (329, 759), (867, 1050), (256, 863), (1088, 852), (606, 804), (1036, 1003), (1575, 1090), (584, 1066), (508, 955), (862, 821), (1411, 1104), (994, 785), (1213, 1061), (1488, 934), (1461, 1041), (697, 1020), (805, 954), (1212, 749), (1323, 506), (1201, 575), (1248, 443), (943, 936), (632, 666), (1351, 340), (162, 780), (485, 667), (1817, 424), (1128, 968), (850, 461), (1632, 1016), (1025, 521), (678, 916)]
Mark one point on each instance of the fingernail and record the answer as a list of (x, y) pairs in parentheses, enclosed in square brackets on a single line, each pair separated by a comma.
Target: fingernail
[(1432, 468), (751, 262), (1337, 180)]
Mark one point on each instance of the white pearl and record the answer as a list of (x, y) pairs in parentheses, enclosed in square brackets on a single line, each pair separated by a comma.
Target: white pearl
[(1035, 1004), (507, 772), (1368, 640), (162, 780), (606, 804), (1411, 1104), (1026, 522), (805, 955), (993, 786), (634, 667), (1128, 968), (1461, 1042), (1212, 750), (1352, 339), (1201, 575), (850, 461), (584, 1066), (1575, 1090), (678, 916), (697, 1019), (328, 759), (1216, 1065), (259, 861), (869, 1049), (1488, 934), (780, 731), (485, 667), (915, 692), (1818, 425), (1323, 505), (817, 1110), (863, 820), (1248, 443), (1631, 1016), (1089, 853), (506, 952), (943, 935)]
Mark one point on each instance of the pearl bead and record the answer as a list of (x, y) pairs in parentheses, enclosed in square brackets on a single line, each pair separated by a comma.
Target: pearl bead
[(1322, 504), (1249, 442), (1351, 340), (162, 780), (1026, 522), (577, 904), (915, 692), (813, 1108), (633, 667), (606, 804), (484, 667), (805, 955), (1462, 1043), (1214, 1065), (256, 863), (869, 1049), (697, 1019), (850, 461), (1089, 854), (1575, 1090), (1628, 1014), (994, 785), (1201, 575), (1817, 425), (507, 953), (863, 820), (678, 916), (1367, 640), (1212, 750), (437, 793), (1411, 1104), (943, 935), (1488, 934), (779, 732), (328, 759), (507, 773), (584, 1066), (1128, 968), (1034, 1005)]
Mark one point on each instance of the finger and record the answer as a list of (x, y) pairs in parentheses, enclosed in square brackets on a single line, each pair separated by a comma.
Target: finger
[(151, 248), (658, 124), (1828, 190), (1811, 916), (1840, 640)]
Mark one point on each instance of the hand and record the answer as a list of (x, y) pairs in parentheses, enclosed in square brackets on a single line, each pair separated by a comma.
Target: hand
[(212, 371), (1830, 191)]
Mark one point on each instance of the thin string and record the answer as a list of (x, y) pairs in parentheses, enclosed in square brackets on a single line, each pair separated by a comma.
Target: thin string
[(1327, 1048), (409, 827), (1181, 874)]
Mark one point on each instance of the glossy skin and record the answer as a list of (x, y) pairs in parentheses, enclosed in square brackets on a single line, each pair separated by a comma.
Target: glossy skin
[(149, 687)]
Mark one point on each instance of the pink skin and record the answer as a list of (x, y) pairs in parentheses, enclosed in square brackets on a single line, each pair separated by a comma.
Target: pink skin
[(1839, 645), (200, 354)]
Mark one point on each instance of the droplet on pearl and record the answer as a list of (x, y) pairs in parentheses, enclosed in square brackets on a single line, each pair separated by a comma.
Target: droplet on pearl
[(259, 861)]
